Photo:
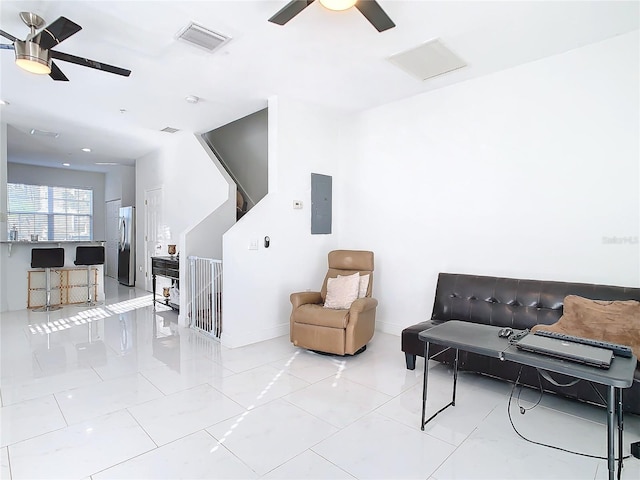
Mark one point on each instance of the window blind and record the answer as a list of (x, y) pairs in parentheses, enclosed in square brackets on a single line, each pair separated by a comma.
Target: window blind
[(52, 213)]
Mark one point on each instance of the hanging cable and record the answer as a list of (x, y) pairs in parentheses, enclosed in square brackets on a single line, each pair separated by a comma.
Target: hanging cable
[(540, 443), (522, 409)]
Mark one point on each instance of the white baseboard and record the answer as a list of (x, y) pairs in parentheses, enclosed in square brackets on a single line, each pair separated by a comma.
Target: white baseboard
[(391, 328), (247, 338)]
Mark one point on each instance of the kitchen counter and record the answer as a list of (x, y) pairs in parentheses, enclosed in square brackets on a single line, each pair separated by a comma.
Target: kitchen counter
[(60, 243), (16, 262)]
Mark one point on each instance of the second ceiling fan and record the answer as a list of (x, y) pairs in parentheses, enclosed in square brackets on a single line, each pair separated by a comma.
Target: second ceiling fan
[(369, 8), (35, 55)]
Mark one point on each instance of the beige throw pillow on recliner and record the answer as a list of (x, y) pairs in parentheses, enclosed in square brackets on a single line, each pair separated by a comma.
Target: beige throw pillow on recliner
[(342, 291), (364, 284)]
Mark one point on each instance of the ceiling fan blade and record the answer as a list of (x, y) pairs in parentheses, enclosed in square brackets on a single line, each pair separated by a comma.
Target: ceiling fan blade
[(8, 36), (57, 74), (289, 11), (53, 34), (85, 62), (375, 14)]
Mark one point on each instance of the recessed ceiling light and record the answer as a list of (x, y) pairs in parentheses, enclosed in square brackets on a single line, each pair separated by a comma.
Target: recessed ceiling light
[(66, 164), (106, 163), (3, 102), (86, 149), (192, 99)]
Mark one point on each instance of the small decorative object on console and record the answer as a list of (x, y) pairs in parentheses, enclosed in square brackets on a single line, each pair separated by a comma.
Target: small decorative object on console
[(171, 249)]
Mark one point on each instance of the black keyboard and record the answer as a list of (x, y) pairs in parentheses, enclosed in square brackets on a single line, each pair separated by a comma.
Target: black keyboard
[(619, 350)]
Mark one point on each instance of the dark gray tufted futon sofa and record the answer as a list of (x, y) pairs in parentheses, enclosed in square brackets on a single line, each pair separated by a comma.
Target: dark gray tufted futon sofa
[(519, 304)]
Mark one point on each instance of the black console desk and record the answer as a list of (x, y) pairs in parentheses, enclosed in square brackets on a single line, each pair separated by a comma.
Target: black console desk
[(165, 267), (483, 339)]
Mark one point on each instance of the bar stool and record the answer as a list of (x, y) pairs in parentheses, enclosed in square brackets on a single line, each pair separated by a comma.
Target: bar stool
[(47, 258), (89, 256)]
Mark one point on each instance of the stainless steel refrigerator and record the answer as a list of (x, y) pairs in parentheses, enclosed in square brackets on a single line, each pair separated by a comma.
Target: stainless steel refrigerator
[(127, 247)]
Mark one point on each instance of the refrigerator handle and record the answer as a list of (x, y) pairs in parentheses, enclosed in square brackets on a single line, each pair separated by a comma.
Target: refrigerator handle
[(123, 236)]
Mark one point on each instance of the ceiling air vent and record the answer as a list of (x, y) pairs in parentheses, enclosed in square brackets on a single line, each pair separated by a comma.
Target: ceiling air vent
[(202, 37), (428, 60), (170, 130)]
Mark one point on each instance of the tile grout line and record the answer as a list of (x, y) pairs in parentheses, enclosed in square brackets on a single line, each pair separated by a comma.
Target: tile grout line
[(228, 450), (139, 424), (9, 460), (60, 408)]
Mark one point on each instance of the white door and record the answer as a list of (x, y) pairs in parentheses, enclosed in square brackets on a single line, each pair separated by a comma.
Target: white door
[(152, 230), (112, 209)]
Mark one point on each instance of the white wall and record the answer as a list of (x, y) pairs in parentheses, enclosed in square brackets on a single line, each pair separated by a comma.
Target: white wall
[(62, 177), (3, 216), (120, 184), (522, 173), (193, 188), (257, 283)]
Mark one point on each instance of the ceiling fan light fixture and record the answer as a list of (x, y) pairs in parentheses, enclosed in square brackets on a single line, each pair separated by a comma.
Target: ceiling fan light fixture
[(338, 4), (33, 59)]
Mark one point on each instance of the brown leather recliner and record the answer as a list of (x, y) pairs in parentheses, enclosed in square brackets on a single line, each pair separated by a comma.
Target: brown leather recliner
[(330, 330)]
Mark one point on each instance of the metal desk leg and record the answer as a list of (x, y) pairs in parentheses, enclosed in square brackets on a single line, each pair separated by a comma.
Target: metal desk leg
[(455, 379), (452, 403), (620, 428), (424, 384), (153, 286), (611, 406)]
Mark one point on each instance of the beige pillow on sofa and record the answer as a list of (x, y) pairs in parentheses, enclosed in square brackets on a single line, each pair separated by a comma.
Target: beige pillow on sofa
[(615, 321), (342, 291)]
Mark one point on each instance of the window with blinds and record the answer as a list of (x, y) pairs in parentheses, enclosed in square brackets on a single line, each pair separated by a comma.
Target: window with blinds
[(52, 213)]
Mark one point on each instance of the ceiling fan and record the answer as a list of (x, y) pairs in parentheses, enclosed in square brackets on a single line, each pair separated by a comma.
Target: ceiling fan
[(34, 53), (369, 8)]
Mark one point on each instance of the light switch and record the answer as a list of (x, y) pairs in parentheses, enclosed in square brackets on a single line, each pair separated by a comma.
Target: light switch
[(253, 244)]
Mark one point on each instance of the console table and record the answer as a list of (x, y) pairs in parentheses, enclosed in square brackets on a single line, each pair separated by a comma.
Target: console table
[(165, 267), (483, 339)]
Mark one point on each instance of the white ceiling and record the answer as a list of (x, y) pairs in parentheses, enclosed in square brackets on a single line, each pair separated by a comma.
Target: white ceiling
[(335, 59)]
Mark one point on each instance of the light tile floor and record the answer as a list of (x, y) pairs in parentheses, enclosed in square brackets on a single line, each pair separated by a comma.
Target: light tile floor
[(120, 391)]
